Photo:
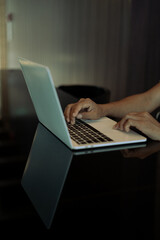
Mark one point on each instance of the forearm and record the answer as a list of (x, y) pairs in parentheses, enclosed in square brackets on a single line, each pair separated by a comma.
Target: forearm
[(87, 109), (134, 103)]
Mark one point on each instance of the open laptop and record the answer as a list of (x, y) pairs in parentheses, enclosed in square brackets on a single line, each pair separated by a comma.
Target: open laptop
[(49, 112)]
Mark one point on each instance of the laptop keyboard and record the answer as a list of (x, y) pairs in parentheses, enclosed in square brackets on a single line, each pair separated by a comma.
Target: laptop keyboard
[(83, 133)]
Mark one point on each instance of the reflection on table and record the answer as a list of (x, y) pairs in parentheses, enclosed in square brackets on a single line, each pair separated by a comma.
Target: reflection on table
[(45, 173), (101, 189), (46, 170)]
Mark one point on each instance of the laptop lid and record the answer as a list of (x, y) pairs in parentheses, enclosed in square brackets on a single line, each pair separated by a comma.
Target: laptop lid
[(45, 100), (49, 112)]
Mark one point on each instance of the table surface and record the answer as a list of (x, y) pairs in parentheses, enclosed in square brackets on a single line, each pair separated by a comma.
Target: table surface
[(48, 190)]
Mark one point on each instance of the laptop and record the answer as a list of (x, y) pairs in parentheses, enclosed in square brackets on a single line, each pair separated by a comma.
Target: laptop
[(44, 96)]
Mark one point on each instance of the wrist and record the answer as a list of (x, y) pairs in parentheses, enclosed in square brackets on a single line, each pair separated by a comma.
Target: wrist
[(104, 110)]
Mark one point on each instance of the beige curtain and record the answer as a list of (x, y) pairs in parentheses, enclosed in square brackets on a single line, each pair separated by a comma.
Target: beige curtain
[(82, 41), (144, 52), (3, 62), (2, 35)]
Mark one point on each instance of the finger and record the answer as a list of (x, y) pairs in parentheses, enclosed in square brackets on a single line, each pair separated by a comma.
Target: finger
[(116, 126), (127, 124), (79, 108), (122, 122), (86, 115), (67, 112), (81, 115), (132, 123), (87, 103), (71, 111)]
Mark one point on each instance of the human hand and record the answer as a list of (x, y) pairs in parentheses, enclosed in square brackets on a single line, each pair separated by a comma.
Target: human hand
[(85, 108), (143, 121)]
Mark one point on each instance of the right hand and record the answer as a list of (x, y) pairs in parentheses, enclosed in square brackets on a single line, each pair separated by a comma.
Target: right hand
[(143, 121), (85, 108)]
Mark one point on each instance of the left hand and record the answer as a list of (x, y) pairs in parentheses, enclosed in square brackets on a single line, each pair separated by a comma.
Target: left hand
[(143, 121)]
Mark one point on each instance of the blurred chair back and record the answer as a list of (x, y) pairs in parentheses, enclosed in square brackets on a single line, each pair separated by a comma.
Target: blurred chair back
[(97, 94)]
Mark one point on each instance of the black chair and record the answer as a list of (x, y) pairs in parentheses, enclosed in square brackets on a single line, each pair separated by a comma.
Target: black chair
[(97, 94)]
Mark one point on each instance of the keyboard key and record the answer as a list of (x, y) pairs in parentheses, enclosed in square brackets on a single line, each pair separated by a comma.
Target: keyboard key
[(83, 133)]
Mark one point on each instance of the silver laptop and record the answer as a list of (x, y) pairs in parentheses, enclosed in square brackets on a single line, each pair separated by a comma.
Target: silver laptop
[(49, 112)]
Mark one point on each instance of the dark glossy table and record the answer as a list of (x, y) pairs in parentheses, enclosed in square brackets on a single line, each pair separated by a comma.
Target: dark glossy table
[(111, 191), (49, 191)]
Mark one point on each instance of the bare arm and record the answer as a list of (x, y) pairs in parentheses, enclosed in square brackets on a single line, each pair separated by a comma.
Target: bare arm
[(87, 109), (139, 115), (134, 111), (144, 102)]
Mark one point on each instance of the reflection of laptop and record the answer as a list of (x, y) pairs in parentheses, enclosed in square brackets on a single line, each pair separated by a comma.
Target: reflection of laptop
[(45, 173), (49, 112), (47, 168)]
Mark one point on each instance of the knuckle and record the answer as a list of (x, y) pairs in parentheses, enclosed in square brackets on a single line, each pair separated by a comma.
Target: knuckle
[(128, 122), (69, 106), (127, 116), (81, 99), (85, 100), (145, 114)]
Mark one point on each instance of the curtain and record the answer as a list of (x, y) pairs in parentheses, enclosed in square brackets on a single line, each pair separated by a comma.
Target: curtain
[(2, 35), (144, 52), (3, 62), (82, 41)]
